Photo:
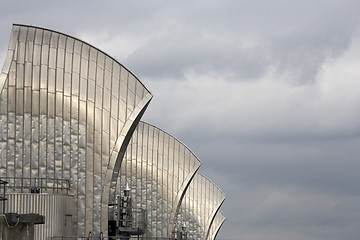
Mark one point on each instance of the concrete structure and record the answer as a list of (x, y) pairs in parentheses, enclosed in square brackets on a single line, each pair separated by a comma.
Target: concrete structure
[(67, 114)]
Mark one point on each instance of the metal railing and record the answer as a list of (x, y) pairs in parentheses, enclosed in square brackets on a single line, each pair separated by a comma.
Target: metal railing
[(3, 195), (76, 238), (89, 237), (136, 225), (139, 238), (101, 237), (110, 238), (36, 184)]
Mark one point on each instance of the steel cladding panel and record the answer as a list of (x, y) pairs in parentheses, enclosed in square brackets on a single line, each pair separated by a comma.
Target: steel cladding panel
[(157, 168), (66, 110), (199, 207), (216, 225), (53, 207)]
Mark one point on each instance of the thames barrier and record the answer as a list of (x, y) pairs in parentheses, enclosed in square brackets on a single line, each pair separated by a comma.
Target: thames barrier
[(77, 162)]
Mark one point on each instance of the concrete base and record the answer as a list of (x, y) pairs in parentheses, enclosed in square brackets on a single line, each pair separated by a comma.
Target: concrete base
[(20, 231)]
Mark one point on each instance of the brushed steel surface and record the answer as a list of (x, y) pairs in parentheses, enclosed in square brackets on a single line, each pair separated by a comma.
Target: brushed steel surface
[(60, 116), (53, 207), (218, 221), (68, 111), (157, 167), (199, 207)]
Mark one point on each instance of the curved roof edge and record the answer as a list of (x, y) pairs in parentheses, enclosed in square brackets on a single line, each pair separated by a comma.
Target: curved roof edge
[(216, 209), (220, 225), (173, 137), (212, 183), (90, 45), (180, 197), (9, 54), (188, 180), (213, 218)]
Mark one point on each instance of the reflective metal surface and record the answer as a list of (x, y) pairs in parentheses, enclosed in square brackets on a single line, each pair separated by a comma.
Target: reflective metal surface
[(216, 225), (199, 207), (158, 169), (71, 114), (66, 111)]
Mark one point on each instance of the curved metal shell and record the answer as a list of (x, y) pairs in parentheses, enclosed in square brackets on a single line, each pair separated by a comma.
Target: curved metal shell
[(199, 207), (66, 111), (158, 169), (218, 221)]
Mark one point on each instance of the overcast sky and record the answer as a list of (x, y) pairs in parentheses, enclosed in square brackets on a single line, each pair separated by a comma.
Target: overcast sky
[(266, 93)]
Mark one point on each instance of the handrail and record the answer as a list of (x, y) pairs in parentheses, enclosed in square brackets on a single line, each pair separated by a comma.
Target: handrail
[(90, 236), (101, 237), (35, 184)]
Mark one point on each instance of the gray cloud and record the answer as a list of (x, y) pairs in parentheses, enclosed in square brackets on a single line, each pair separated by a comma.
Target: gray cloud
[(246, 38), (264, 92)]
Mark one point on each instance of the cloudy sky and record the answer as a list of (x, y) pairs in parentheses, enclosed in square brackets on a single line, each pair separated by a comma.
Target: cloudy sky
[(265, 92)]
